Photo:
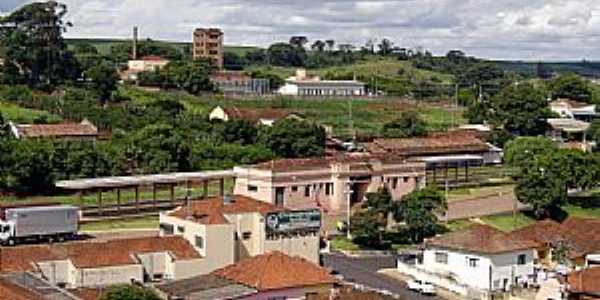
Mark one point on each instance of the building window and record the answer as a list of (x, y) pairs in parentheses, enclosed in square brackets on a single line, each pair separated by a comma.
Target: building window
[(246, 235), (395, 183), (406, 179), (199, 242), (294, 188), (180, 229), (522, 259), (307, 191), (473, 262), (167, 229), (329, 189), (441, 258), (252, 188)]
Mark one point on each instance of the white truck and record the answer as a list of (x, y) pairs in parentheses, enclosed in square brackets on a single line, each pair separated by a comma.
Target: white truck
[(51, 223), (419, 286)]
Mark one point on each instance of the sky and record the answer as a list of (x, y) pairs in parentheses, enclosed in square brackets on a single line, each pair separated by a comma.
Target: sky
[(495, 29)]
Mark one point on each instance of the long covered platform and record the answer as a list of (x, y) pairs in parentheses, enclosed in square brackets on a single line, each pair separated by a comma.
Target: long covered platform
[(135, 183)]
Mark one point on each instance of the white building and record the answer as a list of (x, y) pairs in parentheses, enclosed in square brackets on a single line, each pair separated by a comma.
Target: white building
[(570, 109), (225, 230), (475, 262), (303, 85)]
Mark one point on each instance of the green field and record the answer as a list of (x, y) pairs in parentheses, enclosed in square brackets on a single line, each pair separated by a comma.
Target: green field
[(372, 67), (368, 116), (24, 115), (149, 222), (509, 222)]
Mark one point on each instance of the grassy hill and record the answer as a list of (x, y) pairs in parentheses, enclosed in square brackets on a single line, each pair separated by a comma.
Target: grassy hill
[(103, 45), (372, 66), (583, 68), (24, 115)]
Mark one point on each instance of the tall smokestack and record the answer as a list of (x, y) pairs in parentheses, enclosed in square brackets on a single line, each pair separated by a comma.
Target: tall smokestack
[(135, 41)]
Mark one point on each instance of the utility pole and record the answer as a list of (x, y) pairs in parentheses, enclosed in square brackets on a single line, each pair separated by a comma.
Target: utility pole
[(351, 120)]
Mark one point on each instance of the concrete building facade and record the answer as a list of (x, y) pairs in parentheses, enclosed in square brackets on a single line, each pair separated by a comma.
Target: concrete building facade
[(228, 229), (208, 43), (303, 85), (332, 185)]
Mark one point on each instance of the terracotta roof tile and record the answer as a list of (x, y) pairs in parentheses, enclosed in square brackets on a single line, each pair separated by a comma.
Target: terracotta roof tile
[(542, 232), (274, 271), (11, 291), (585, 281), (481, 239), (93, 254), (57, 130), (213, 210), (456, 142), (305, 164)]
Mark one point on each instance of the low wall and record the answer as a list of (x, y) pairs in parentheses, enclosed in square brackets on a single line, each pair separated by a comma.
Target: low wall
[(433, 278)]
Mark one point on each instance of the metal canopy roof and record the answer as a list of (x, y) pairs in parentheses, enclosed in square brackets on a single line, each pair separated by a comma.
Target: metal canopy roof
[(128, 181), (450, 158)]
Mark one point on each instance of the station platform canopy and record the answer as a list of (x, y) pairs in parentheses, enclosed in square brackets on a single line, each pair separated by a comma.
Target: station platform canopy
[(143, 180), (451, 159)]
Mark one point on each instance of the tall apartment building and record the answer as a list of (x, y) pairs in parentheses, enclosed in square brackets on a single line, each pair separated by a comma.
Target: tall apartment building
[(208, 43)]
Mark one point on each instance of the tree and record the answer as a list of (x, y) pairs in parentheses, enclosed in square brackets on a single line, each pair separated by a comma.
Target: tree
[(103, 79), (570, 86), (594, 131), (542, 186), (192, 76), (523, 150), (159, 148), (4, 128), (409, 124), (385, 47), (366, 227), (129, 292), (418, 211), (298, 41), (286, 55), (318, 45), (291, 138), (520, 109), (34, 45), (330, 44)]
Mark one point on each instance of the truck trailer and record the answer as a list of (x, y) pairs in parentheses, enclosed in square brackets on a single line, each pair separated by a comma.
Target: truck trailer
[(51, 223)]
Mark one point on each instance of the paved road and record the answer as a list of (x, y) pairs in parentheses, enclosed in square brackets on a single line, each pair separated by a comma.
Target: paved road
[(364, 271), (486, 206)]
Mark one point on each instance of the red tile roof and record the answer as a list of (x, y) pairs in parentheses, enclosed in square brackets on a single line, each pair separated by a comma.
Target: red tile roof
[(213, 210), (95, 254), (230, 76), (11, 291), (581, 236), (481, 239), (303, 164), (543, 232), (585, 282), (456, 142), (153, 58), (57, 130), (275, 271)]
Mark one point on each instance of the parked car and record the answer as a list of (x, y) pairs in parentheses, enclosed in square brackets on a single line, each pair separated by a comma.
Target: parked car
[(419, 286)]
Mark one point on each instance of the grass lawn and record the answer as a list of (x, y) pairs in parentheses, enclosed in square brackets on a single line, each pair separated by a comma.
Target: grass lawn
[(150, 222), (508, 223), (479, 192), (19, 114), (342, 243), (368, 115), (580, 212), (458, 225)]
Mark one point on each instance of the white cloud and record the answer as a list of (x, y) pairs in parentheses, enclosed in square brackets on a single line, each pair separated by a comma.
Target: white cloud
[(511, 29)]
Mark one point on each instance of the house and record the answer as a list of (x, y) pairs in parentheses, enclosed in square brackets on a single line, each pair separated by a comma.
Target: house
[(275, 275), (266, 117), (570, 109), (204, 287), (147, 64), (580, 237), (28, 286), (228, 229), (84, 131), (570, 133), (584, 284), (303, 85), (477, 262), (104, 263), (331, 184)]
